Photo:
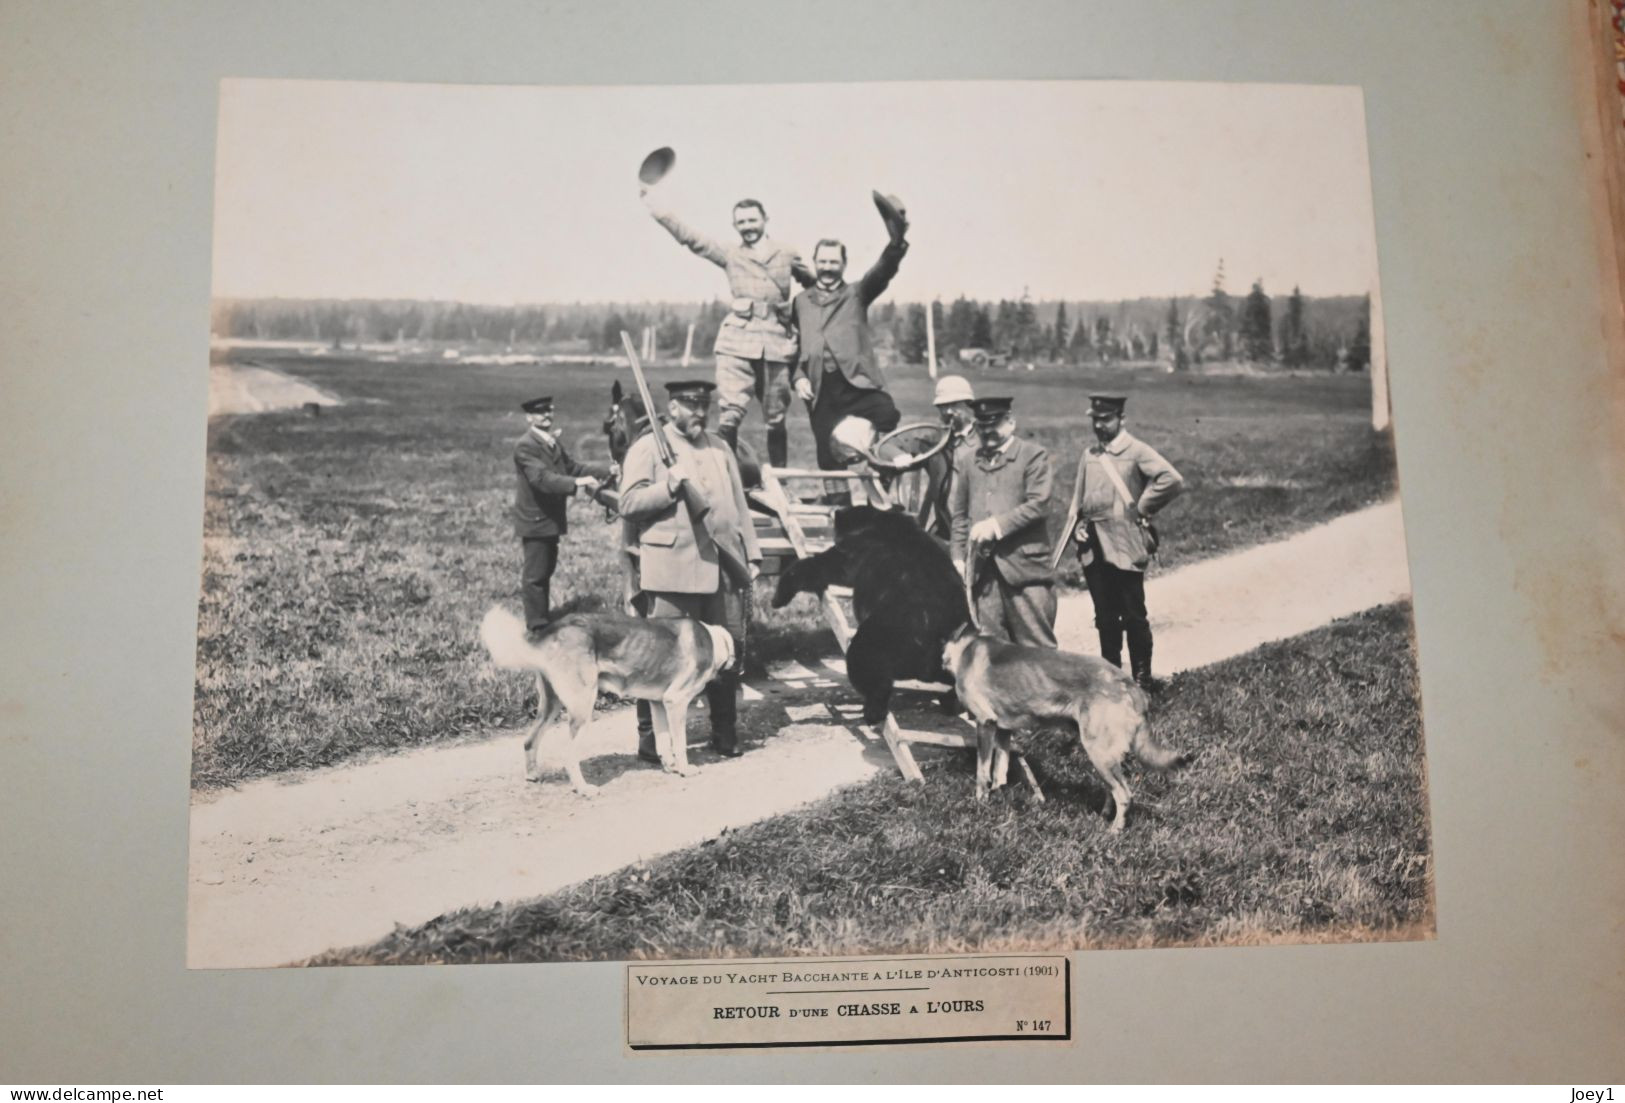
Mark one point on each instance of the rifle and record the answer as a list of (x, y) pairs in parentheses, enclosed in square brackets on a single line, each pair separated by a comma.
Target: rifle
[(737, 571)]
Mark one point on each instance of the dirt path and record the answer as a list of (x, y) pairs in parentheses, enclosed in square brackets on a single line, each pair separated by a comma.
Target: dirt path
[(243, 389), (285, 868)]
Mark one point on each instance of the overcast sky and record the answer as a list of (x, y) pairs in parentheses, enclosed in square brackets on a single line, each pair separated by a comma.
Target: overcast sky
[(1082, 190)]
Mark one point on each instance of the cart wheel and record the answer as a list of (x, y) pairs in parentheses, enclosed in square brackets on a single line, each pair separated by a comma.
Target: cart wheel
[(909, 447), (899, 458)]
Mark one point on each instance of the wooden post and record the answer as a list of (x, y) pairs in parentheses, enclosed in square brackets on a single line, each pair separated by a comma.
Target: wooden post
[(688, 345), (930, 340), (1380, 408)]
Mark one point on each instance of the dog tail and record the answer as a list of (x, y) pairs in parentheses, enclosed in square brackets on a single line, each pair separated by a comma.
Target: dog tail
[(1152, 753), (503, 635)]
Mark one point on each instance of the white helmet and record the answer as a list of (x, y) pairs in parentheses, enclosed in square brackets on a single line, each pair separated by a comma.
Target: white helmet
[(953, 388)]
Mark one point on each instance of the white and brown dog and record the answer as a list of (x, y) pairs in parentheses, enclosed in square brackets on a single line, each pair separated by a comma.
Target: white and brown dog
[(666, 661), (1008, 688)]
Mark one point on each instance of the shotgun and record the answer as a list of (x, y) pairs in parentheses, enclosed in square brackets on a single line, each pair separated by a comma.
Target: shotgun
[(735, 568)]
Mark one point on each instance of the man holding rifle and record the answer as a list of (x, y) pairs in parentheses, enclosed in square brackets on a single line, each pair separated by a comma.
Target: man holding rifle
[(684, 507)]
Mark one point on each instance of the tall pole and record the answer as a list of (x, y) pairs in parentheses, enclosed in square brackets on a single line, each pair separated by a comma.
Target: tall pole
[(930, 340), (1379, 365), (688, 345)]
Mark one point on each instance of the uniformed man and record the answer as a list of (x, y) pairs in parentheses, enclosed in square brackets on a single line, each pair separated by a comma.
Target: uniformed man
[(755, 346), (953, 400), (1121, 483), (678, 567), (836, 370), (546, 477), (999, 502)]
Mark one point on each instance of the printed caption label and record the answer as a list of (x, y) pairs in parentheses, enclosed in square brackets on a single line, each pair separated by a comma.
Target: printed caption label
[(848, 1001)]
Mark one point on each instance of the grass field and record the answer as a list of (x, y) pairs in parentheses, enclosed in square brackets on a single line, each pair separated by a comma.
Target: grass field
[(1302, 818), (349, 556)]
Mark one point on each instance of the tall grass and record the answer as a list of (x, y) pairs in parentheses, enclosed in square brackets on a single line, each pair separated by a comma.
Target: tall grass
[(348, 556), (1302, 817)]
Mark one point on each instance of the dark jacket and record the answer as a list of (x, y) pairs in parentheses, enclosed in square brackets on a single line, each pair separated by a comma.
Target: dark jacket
[(834, 325), (546, 477), (1012, 488), (936, 514)]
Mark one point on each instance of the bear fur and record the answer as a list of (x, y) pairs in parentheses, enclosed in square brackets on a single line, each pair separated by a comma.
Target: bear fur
[(907, 599)]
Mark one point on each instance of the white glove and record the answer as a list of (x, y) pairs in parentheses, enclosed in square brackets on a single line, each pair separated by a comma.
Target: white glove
[(804, 388)]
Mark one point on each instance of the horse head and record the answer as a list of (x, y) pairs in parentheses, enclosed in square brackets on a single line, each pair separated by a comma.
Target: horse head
[(616, 425)]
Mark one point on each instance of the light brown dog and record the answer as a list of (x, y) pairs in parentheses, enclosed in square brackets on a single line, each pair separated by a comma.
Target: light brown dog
[(666, 661), (1010, 688)]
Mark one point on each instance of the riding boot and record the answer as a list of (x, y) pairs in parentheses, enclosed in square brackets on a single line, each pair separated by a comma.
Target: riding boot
[(1111, 644), (1139, 655), (778, 445), (729, 431), (722, 696), (646, 734)]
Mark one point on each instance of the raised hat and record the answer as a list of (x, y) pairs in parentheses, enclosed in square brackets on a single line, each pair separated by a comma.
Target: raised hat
[(892, 213), (953, 388), (990, 410), (656, 165), (538, 405)]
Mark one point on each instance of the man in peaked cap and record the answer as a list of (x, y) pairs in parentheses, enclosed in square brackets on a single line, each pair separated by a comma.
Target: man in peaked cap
[(546, 477), (679, 572), (755, 346), (1121, 483), (1000, 540)]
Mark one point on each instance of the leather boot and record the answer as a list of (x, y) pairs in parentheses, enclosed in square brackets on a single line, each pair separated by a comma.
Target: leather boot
[(722, 696), (778, 445), (1139, 656), (646, 734), (1111, 645)]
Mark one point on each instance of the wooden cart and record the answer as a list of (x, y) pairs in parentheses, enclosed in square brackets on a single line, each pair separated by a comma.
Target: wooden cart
[(794, 520)]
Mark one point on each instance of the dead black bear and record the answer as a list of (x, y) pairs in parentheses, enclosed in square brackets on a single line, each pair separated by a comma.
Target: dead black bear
[(906, 597)]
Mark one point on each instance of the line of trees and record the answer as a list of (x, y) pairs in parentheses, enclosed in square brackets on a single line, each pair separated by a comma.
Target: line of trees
[(1329, 332), (580, 327)]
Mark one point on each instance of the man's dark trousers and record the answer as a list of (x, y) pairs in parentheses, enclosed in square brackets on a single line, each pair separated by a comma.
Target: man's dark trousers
[(536, 578), (725, 609), (1119, 598)]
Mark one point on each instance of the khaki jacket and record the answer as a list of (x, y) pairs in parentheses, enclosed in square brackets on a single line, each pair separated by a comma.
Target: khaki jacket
[(674, 554), (761, 279), (1151, 481), (1012, 488)]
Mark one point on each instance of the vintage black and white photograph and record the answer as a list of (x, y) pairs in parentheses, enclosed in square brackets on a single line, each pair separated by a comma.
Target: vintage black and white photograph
[(809, 519)]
